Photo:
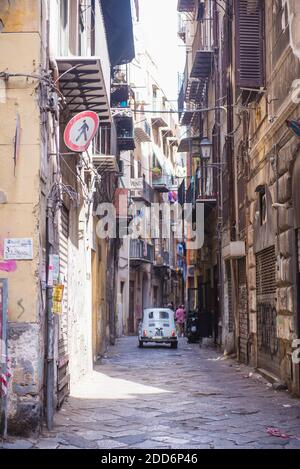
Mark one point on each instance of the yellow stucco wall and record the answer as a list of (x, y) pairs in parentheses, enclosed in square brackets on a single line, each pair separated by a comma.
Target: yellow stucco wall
[(20, 15), (20, 46)]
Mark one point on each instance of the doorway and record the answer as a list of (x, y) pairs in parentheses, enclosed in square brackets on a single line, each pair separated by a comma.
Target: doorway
[(131, 308)]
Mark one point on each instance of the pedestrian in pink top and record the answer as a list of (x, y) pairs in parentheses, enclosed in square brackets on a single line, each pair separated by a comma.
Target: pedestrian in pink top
[(180, 319)]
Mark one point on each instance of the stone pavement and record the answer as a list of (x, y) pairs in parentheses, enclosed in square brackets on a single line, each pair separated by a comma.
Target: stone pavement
[(156, 397)]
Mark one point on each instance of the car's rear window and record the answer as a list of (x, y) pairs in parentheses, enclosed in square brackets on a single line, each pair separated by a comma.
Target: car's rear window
[(158, 315)]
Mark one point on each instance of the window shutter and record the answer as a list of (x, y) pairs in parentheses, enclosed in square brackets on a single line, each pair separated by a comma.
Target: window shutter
[(250, 22)]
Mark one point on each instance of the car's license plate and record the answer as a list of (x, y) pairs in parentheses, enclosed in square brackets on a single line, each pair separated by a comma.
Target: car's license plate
[(194, 328)]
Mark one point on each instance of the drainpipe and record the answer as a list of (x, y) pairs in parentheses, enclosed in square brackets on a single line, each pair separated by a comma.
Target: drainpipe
[(50, 326), (220, 286)]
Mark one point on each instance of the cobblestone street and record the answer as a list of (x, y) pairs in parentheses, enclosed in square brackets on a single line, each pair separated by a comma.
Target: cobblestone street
[(163, 398)]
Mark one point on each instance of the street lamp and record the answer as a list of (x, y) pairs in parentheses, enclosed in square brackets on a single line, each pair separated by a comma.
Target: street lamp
[(205, 149)]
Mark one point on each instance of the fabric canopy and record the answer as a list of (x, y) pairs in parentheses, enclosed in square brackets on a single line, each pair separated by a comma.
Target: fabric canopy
[(119, 30)]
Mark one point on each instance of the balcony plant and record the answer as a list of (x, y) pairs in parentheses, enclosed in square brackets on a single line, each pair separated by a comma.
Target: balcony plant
[(156, 172)]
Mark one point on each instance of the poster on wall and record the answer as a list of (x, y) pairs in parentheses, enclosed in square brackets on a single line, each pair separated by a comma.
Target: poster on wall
[(58, 295), (18, 249)]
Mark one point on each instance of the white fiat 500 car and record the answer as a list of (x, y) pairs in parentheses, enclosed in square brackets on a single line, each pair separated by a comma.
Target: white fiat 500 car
[(158, 326)]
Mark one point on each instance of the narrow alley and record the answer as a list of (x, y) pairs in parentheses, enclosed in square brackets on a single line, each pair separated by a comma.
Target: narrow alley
[(153, 398), (149, 203)]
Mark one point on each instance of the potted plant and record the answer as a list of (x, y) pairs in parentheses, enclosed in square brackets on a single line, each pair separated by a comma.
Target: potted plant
[(156, 172)]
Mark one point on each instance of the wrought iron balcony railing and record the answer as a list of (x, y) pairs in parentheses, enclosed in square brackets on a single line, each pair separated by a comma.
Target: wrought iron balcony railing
[(141, 190), (141, 251), (202, 49), (162, 183), (206, 184)]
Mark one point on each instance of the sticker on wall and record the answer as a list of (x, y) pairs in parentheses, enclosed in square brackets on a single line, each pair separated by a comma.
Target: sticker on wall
[(18, 249), (58, 294)]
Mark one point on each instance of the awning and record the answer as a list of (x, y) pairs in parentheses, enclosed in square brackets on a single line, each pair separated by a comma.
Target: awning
[(186, 144), (167, 132), (119, 30), (82, 84), (159, 121), (141, 135)]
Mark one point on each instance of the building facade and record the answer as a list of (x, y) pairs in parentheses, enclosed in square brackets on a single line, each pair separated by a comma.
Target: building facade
[(148, 274), (242, 67), (57, 60)]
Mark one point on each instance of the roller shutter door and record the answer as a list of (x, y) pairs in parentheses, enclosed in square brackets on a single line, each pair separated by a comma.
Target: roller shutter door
[(267, 341)]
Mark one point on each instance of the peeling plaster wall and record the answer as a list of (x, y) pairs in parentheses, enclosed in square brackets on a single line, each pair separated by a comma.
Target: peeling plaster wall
[(25, 391)]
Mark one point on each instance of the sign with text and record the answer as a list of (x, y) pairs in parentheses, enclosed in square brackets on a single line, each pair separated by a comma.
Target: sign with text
[(18, 249)]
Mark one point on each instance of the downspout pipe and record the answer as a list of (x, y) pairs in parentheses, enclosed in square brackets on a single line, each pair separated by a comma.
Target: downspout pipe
[(50, 327)]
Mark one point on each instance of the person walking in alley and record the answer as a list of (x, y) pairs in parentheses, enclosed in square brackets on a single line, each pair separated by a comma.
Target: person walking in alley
[(180, 319)]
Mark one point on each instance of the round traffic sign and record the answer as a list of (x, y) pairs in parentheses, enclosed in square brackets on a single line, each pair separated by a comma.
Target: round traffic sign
[(81, 130)]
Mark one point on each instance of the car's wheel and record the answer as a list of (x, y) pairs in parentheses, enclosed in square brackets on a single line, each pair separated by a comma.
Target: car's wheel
[(141, 345), (174, 344)]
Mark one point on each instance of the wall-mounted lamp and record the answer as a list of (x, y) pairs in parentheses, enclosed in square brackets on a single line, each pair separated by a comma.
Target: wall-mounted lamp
[(206, 149)]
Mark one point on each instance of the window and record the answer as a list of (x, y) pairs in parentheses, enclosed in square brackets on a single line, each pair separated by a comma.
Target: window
[(93, 26), (132, 172), (139, 169), (82, 26), (64, 27), (263, 207), (250, 38), (74, 27), (64, 11), (101, 142), (280, 34)]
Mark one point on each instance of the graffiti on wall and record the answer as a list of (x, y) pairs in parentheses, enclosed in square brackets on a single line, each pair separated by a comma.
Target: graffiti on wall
[(6, 266)]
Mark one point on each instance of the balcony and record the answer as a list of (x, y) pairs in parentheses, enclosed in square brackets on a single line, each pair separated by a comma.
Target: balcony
[(162, 183), (206, 185), (162, 259), (194, 89), (119, 97), (186, 6), (141, 252), (142, 191), (202, 50), (125, 134), (105, 163), (181, 28), (186, 116)]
